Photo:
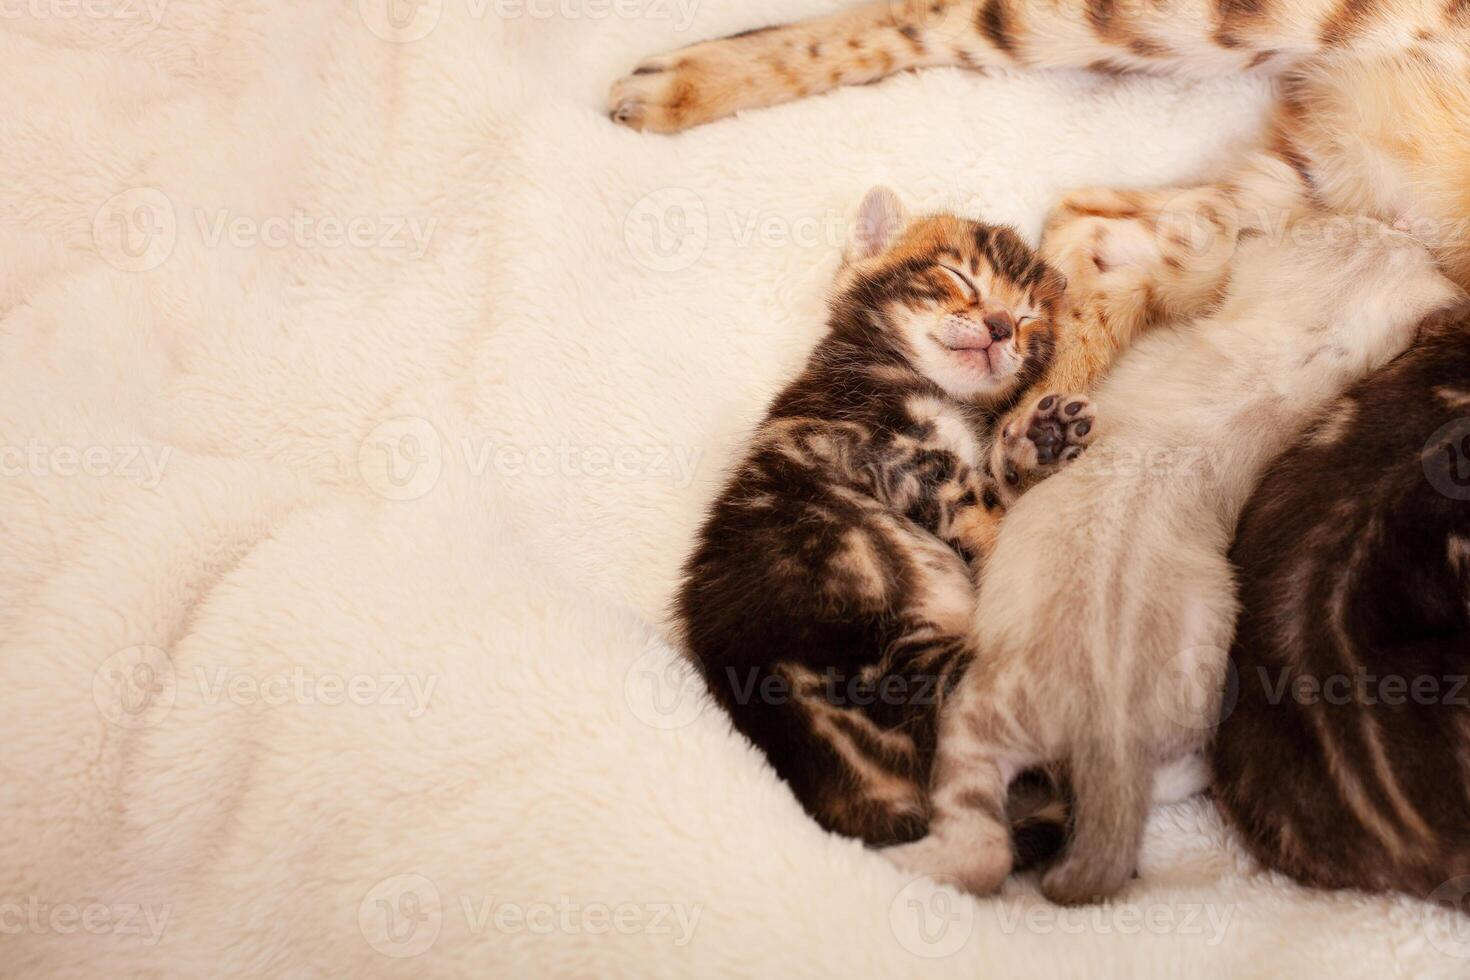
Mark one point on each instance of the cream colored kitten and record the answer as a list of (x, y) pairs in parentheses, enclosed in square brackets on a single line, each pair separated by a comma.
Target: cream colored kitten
[(1107, 607)]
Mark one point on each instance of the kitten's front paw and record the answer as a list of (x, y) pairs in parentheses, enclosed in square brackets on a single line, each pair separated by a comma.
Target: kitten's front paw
[(978, 870), (1036, 443)]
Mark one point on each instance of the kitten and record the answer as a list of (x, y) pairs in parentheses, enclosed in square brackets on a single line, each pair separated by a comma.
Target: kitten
[(829, 598), (1371, 117), (1352, 650), (1107, 605)]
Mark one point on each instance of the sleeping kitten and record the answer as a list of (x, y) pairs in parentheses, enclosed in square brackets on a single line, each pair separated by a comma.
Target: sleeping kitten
[(829, 599), (1107, 605), (1352, 650)]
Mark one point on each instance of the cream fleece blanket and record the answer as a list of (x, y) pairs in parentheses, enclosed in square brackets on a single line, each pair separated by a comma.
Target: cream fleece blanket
[(360, 389)]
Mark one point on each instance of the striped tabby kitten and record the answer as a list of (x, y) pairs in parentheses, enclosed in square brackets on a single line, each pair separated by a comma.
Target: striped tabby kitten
[(829, 598), (1108, 603), (1394, 75), (1352, 651)]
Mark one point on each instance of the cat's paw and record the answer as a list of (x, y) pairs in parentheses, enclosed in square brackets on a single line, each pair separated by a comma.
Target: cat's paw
[(1167, 251), (1037, 442), (690, 87), (979, 870), (1078, 881)]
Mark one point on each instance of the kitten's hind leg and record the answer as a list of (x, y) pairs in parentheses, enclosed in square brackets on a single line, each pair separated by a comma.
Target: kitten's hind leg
[(969, 833), (1112, 784), (969, 828)]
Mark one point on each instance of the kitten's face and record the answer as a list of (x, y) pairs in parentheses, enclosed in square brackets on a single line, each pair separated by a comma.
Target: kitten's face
[(968, 304)]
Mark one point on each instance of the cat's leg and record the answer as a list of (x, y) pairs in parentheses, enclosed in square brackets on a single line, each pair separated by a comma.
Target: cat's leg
[(1036, 443), (767, 66), (1194, 38), (976, 758), (1112, 784), (1134, 258)]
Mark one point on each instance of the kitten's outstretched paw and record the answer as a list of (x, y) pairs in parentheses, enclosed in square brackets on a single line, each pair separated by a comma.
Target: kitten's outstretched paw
[(686, 88), (977, 870), (1037, 443)]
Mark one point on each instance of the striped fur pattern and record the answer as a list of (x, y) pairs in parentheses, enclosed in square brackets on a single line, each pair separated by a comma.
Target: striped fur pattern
[(1353, 647), (829, 598), (1393, 73), (1107, 607)]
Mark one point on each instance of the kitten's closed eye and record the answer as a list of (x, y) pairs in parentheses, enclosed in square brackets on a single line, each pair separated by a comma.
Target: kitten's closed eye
[(963, 281)]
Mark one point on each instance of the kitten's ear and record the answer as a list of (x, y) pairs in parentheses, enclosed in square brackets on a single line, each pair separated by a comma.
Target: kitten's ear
[(880, 219)]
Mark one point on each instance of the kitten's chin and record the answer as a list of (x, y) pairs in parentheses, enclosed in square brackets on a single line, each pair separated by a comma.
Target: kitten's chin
[(979, 375)]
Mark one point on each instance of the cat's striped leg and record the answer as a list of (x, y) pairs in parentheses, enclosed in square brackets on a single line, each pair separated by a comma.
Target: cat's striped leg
[(982, 746), (771, 65), (1195, 38)]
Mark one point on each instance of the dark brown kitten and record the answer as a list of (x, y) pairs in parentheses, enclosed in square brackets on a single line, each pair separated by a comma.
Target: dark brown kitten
[(830, 596), (1345, 761)]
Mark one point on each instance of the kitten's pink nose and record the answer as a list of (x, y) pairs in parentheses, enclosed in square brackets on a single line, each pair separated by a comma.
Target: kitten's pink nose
[(1001, 325)]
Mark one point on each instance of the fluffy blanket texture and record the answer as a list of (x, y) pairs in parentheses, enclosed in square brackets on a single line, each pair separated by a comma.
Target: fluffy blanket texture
[(361, 387)]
